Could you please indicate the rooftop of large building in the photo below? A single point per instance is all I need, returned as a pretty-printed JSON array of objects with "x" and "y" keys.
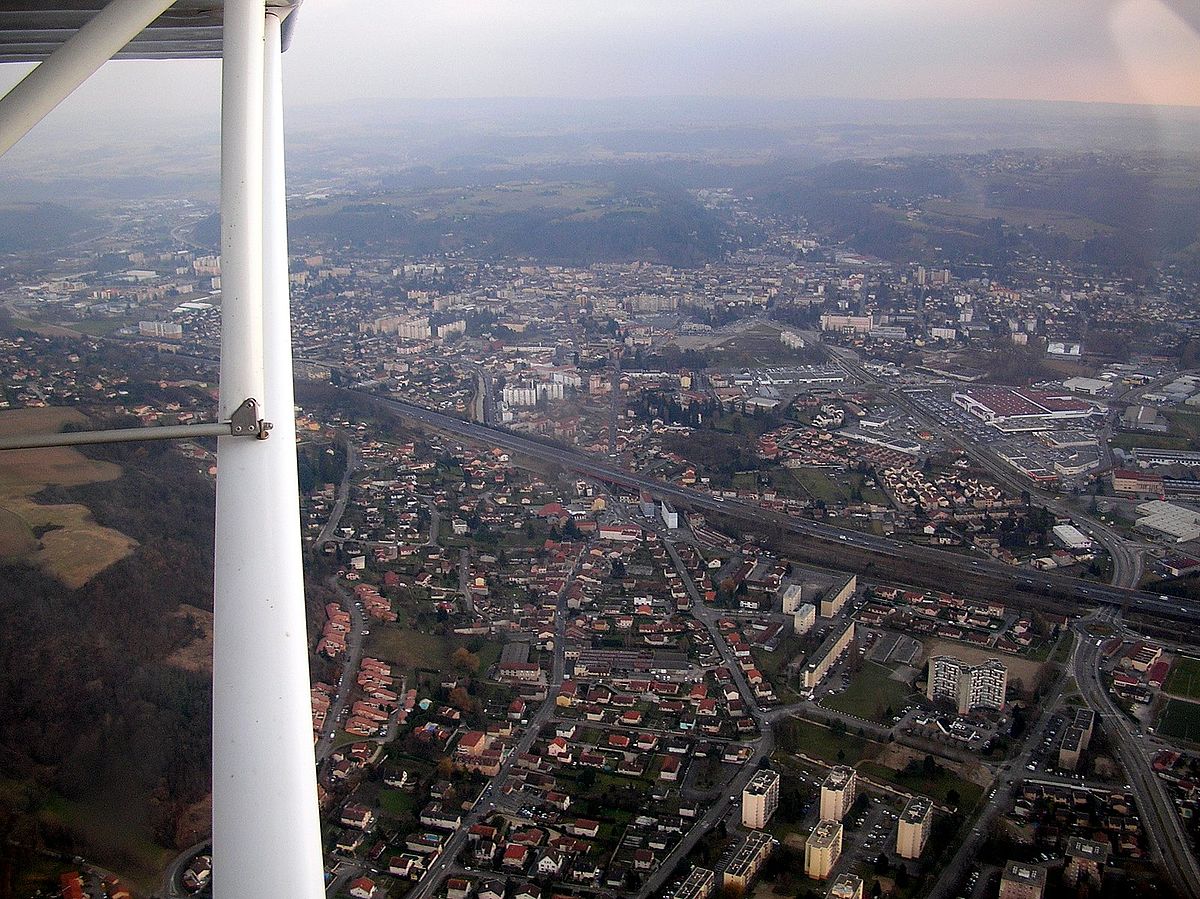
[
  {"x": 825, "y": 834},
  {"x": 839, "y": 777},
  {"x": 1023, "y": 873},
  {"x": 762, "y": 782},
  {"x": 917, "y": 810}
]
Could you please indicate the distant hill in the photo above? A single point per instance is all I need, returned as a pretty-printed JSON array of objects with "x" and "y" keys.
[
  {"x": 560, "y": 222},
  {"x": 1123, "y": 214},
  {"x": 42, "y": 226}
]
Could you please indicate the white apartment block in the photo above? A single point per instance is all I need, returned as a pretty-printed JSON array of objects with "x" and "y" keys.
[
  {"x": 760, "y": 798},
  {"x": 836, "y": 596},
  {"x": 968, "y": 686},
  {"x": 804, "y": 618},
  {"x": 791, "y": 598},
  {"x": 823, "y": 849},
  {"x": 838, "y": 792},
  {"x": 915, "y": 823}
]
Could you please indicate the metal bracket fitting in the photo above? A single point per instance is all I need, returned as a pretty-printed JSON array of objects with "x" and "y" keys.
[{"x": 244, "y": 422}]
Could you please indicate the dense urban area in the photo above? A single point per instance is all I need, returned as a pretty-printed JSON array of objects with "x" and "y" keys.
[{"x": 688, "y": 544}]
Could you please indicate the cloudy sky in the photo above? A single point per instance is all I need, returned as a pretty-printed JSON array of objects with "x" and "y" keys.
[{"x": 1126, "y": 51}]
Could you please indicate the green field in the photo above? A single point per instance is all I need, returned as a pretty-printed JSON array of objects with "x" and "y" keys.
[
  {"x": 1187, "y": 426},
  {"x": 871, "y": 692},
  {"x": 397, "y": 804},
  {"x": 939, "y": 786},
  {"x": 1180, "y": 719},
  {"x": 1184, "y": 679},
  {"x": 409, "y": 648},
  {"x": 1150, "y": 441},
  {"x": 819, "y": 742}
]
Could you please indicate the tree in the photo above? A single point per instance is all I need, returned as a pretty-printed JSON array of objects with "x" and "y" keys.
[
  {"x": 465, "y": 660},
  {"x": 461, "y": 700}
]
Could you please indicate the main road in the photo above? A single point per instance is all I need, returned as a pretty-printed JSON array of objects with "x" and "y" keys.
[{"x": 1168, "y": 843}]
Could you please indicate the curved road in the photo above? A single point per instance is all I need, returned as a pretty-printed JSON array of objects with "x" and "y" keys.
[{"x": 1169, "y": 844}]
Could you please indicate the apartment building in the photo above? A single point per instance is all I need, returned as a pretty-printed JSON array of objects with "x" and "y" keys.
[
  {"x": 967, "y": 686},
  {"x": 760, "y": 798},
  {"x": 823, "y": 849},
  {"x": 846, "y": 886},
  {"x": 837, "y": 595},
  {"x": 1022, "y": 881},
  {"x": 747, "y": 860},
  {"x": 699, "y": 884},
  {"x": 838, "y": 793},
  {"x": 827, "y": 654},
  {"x": 915, "y": 823}
]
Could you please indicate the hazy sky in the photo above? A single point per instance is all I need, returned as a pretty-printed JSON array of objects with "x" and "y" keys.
[{"x": 1129, "y": 51}]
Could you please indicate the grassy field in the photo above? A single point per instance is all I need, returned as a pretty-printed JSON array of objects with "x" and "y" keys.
[
  {"x": 1180, "y": 719},
  {"x": 815, "y": 484},
  {"x": 871, "y": 692},
  {"x": 972, "y": 213},
  {"x": 409, "y": 648},
  {"x": 1150, "y": 441},
  {"x": 1184, "y": 679},
  {"x": 822, "y": 743},
  {"x": 398, "y": 804},
  {"x": 123, "y": 834},
  {"x": 72, "y": 547},
  {"x": 938, "y": 787}
]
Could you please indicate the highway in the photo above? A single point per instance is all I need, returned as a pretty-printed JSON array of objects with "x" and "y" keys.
[
  {"x": 1061, "y": 587},
  {"x": 1168, "y": 843}
]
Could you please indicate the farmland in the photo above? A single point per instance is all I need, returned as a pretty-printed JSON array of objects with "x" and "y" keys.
[{"x": 62, "y": 539}]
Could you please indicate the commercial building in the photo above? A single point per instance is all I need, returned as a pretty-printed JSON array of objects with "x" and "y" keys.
[
  {"x": 967, "y": 686},
  {"x": 760, "y": 798},
  {"x": 1012, "y": 409},
  {"x": 835, "y": 597},
  {"x": 1147, "y": 456},
  {"x": 163, "y": 330},
  {"x": 1141, "y": 484},
  {"x": 915, "y": 823},
  {"x": 1071, "y": 537},
  {"x": 827, "y": 654},
  {"x": 747, "y": 860},
  {"x": 1022, "y": 881},
  {"x": 804, "y": 618},
  {"x": 846, "y": 886},
  {"x": 823, "y": 849},
  {"x": 1085, "y": 861},
  {"x": 837, "y": 793},
  {"x": 850, "y": 325},
  {"x": 1168, "y": 522},
  {"x": 699, "y": 884}
]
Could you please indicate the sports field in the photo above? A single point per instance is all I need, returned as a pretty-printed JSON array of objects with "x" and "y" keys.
[
  {"x": 1184, "y": 679},
  {"x": 1180, "y": 719}
]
